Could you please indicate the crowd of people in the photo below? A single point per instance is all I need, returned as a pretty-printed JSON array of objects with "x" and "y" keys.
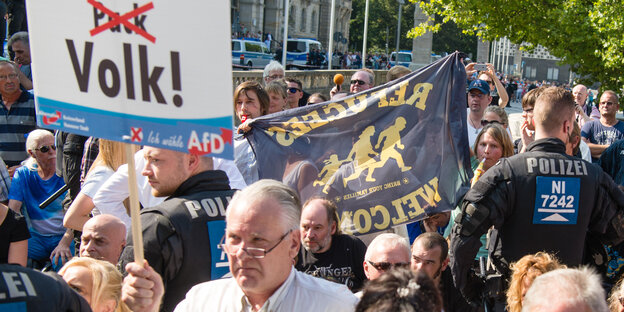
[{"x": 545, "y": 210}]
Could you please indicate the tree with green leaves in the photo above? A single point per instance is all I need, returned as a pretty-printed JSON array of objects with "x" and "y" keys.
[
  {"x": 382, "y": 24},
  {"x": 585, "y": 34}
]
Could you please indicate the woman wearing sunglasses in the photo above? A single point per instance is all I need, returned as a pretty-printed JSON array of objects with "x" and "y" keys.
[{"x": 32, "y": 184}]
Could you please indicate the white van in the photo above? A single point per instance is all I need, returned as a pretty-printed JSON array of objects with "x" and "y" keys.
[
  {"x": 298, "y": 51},
  {"x": 405, "y": 59},
  {"x": 250, "y": 52}
]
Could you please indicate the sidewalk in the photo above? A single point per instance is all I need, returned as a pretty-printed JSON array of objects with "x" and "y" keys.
[{"x": 514, "y": 114}]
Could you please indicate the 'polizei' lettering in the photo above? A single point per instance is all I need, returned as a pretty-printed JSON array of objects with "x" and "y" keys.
[{"x": 546, "y": 166}]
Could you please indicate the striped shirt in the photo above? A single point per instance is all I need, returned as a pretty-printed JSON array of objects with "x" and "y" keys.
[{"x": 14, "y": 125}]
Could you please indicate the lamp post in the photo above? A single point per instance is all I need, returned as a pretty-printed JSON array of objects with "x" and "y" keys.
[
  {"x": 285, "y": 41},
  {"x": 401, "y": 2},
  {"x": 331, "y": 34}
]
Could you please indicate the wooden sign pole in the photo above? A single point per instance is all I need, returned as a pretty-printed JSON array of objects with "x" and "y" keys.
[{"x": 137, "y": 233}]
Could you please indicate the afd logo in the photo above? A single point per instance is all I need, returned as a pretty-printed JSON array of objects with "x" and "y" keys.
[
  {"x": 207, "y": 142},
  {"x": 51, "y": 118}
]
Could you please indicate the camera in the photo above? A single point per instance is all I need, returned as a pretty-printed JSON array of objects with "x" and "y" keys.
[{"x": 480, "y": 67}]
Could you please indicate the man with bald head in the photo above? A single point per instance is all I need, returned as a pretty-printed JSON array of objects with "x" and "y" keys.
[
  {"x": 103, "y": 237},
  {"x": 386, "y": 251},
  {"x": 326, "y": 253},
  {"x": 181, "y": 234},
  {"x": 582, "y": 109},
  {"x": 361, "y": 80}
]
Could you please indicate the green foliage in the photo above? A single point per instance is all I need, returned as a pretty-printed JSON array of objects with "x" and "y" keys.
[
  {"x": 382, "y": 15},
  {"x": 585, "y": 34}
]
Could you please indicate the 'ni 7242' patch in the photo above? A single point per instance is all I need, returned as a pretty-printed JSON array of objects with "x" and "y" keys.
[{"x": 556, "y": 200}]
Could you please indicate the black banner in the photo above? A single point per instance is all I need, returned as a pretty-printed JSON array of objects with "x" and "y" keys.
[{"x": 387, "y": 156}]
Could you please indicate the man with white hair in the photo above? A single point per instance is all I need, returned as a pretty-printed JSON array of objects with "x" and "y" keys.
[
  {"x": 261, "y": 240},
  {"x": 32, "y": 184},
  {"x": 570, "y": 290},
  {"x": 386, "y": 251},
  {"x": 273, "y": 71}
]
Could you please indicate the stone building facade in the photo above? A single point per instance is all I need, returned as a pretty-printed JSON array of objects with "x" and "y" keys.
[
  {"x": 307, "y": 19},
  {"x": 536, "y": 65}
]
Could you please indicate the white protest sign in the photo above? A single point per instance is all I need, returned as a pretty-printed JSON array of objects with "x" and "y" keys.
[{"x": 147, "y": 72}]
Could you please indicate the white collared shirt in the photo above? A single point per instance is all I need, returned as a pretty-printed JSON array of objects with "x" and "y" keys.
[{"x": 300, "y": 292}]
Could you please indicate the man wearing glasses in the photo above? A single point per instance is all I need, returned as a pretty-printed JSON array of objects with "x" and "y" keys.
[
  {"x": 430, "y": 254},
  {"x": 261, "y": 240},
  {"x": 385, "y": 252},
  {"x": 327, "y": 253},
  {"x": 361, "y": 80},
  {"x": 273, "y": 71},
  {"x": 296, "y": 96},
  {"x": 599, "y": 134},
  {"x": 478, "y": 100},
  {"x": 181, "y": 235},
  {"x": 18, "y": 109}
]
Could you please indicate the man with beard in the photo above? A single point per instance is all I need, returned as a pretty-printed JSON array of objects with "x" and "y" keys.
[
  {"x": 181, "y": 235},
  {"x": 327, "y": 253},
  {"x": 430, "y": 254}
]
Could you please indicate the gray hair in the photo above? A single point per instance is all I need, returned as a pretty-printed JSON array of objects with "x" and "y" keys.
[
  {"x": 273, "y": 65},
  {"x": 33, "y": 139},
  {"x": 35, "y": 136},
  {"x": 570, "y": 287},
  {"x": 390, "y": 241},
  {"x": 19, "y": 36},
  {"x": 15, "y": 68},
  {"x": 263, "y": 189},
  {"x": 498, "y": 111},
  {"x": 370, "y": 73}
]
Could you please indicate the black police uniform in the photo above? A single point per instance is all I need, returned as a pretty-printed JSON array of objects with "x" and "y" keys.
[
  {"x": 181, "y": 235},
  {"x": 23, "y": 289},
  {"x": 541, "y": 200}
]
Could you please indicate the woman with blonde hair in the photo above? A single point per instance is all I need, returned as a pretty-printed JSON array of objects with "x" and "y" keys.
[
  {"x": 97, "y": 281},
  {"x": 616, "y": 298},
  {"x": 110, "y": 156},
  {"x": 524, "y": 271},
  {"x": 491, "y": 144}
]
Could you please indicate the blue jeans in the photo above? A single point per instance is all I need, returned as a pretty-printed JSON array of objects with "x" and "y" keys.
[{"x": 40, "y": 247}]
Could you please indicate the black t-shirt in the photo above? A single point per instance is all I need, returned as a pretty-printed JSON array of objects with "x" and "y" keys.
[
  {"x": 23, "y": 289},
  {"x": 12, "y": 229},
  {"x": 342, "y": 263}
]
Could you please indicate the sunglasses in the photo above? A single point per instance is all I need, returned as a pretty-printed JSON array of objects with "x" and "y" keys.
[
  {"x": 385, "y": 266},
  {"x": 489, "y": 82},
  {"x": 293, "y": 90},
  {"x": 360, "y": 82},
  {"x": 489, "y": 122},
  {"x": 46, "y": 148}
]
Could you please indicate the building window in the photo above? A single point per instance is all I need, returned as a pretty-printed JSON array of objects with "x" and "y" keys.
[
  {"x": 313, "y": 21},
  {"x": 530, "y": 72},
  {"x": 292, "y": 17},
  {"x": 553, "y": 73},
  {"x": 303, "y": 20}
]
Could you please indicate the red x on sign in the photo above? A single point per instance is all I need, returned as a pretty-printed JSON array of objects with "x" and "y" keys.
[
  {"x": 123, "y": 19},
  {"x": 137, "y": 134}
]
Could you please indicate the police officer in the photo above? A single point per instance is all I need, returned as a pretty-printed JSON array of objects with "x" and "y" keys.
[
  {"x": 541, "y": 200},
  {"x": 24, "y": 289},
  {"x": 181, "y": 235}
]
